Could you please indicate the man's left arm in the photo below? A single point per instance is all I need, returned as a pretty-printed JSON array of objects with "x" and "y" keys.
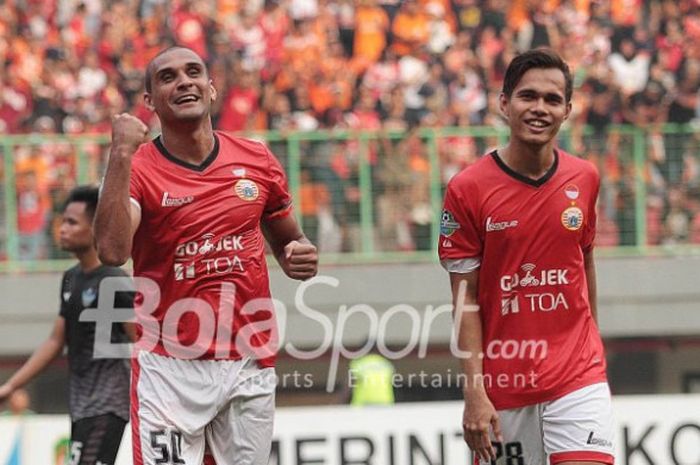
[
  {"x": 294, "y": 252},
  {"x": 589, "y": 267}
]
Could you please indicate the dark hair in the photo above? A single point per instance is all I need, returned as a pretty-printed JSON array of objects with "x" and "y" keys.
[
  {"x": 87, "y": 195},
  {"x": 149, "y": 68},
  {"x": 538, "y": 58}
]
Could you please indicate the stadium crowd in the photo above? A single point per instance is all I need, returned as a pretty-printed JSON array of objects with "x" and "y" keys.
[{"x": 302, "y": 65}]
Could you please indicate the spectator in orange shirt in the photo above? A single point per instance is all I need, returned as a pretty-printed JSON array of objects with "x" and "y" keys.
[
  {"x": 302, "y": 51},
  {"x": 312, "y": 194},
  {"x": 410, "y": 28},
  {"x": 371, "y": 27},
  {"x": 32, "y": 213}
]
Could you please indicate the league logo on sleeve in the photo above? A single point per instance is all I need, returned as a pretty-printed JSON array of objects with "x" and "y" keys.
[{"x": 448, "y": 225}]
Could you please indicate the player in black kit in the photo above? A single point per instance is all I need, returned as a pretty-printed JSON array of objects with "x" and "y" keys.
[{"x": 99, "y": 388}]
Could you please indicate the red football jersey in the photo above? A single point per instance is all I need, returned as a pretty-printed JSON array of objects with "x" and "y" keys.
[
  {"x": 528, "y": 238},
  {"x": 200, "y": 228}
]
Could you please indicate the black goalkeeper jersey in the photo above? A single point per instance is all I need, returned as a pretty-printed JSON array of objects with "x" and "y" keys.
[{"x": 97, "y": 386}]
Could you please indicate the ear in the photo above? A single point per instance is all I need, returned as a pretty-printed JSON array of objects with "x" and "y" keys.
[
  {"x": 568, "y": 111},
  {"x": 212, "y": 89},
  {"x": 148, "y": 101},
  {"x": 503, "y": 105}
]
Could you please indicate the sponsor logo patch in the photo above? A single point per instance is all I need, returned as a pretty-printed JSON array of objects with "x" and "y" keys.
[
  {"x": 168, "y": 201},
  {"x": 593, "y": 441},
  {"x": 499, "y": 226}
]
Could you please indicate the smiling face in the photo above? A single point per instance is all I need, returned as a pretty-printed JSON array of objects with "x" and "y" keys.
[
  {"x": 180, "y": 88},
  {"x": 537, "y": 107}
]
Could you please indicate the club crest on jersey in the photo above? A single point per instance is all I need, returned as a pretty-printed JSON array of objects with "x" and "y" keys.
[
  {"x": 572, "y": 218},
  {"x": 88, "y": 296},
  {"x": 448, "y": 225},
  {"x": 571, "y": 192},
  {"x": 246, "y": 190}
]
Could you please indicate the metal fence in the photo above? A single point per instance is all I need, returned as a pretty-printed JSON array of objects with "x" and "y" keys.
[{"x": 376, "y": 196}]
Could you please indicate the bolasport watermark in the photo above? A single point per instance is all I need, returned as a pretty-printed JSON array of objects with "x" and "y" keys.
[{"x": 262, "y": 338}]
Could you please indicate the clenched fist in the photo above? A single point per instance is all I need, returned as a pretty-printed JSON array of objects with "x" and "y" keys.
[
  {"x": 128, "y": 132},
  {"x": 300, "y": 260}
]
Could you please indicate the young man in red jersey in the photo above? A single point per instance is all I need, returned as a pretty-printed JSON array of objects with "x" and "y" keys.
[
  {"x": 192, "y": 208},
  {"x": 517, "y": 234}
]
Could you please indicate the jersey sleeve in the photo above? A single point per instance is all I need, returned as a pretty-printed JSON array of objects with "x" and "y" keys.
[
  {"x": 279, "y": 200},
  {"x": 64, "y": 297},
  {"x": 589, "y": 229},
  {"x": 461, "y": 245},
  {"x": 136, "y": 187}
]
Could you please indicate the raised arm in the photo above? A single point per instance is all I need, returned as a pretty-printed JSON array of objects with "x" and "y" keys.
[
  {"x": 480, "y": 416},
  {"x": 117, "y": 218},
  {"x": 42, "y": 356}
]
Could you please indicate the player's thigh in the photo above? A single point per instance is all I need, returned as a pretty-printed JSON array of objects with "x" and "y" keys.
[
  {"x": 96, "y": 440},
  {"x": 241, "y": 434},
  {"x": 522, "y": 438},
  {"x": 578, "y": 428},
  {"x": 162, "y": 443},
  {"x": 172, "y": 402}
]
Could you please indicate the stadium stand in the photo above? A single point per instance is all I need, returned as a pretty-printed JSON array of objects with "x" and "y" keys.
[{"x": 366, "y": 65}]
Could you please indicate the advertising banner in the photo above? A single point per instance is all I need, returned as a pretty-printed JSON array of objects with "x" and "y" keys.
[{"x": 650, "y": 430}]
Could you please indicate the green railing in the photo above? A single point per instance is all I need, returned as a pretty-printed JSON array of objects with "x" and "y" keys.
[{"x": 368, "y": 196}]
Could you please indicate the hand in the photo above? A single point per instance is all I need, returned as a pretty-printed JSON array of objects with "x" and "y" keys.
[
  {"x": 128, "y": 132},
  {"x": 480, "y": 416},
  {"x": 299, "y": 260},
  {"x": 5, "y": 391}
]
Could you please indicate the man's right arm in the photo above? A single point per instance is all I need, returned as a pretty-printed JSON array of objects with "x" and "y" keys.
[
  {"x": 42, "y": 356},
  {"x": 479, "y": 413},
  {"x": 117, "y": 218}
]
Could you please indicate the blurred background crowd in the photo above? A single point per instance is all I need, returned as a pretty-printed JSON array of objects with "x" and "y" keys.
[{"x": 383, "y": 65}]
